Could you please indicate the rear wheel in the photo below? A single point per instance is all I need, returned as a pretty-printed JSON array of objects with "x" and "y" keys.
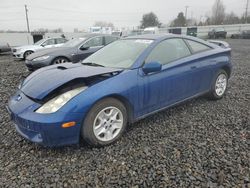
[
  {"x": 105, "y": 122},
  {"x": 219, "y": 85},
  {"x": 60, "y": 60},
  {"x": 27, "y": 53}
]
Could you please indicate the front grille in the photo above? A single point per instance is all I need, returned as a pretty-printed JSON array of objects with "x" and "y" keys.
[
  {"x": 14, "y": 50},
  {"x": 25, "y": 123}
]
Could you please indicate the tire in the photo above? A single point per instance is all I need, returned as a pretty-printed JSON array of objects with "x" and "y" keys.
[
  {"x": 27, "y": 53},
  {"x": 98, "y": 129},
  {"x": 59, "y": 60},
  {"x": 221, "y": 80}
]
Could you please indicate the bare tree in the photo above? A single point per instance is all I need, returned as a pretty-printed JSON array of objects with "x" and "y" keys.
[
  {"x": 218, "y": 13},
  {"x": 232, "y": 18}
]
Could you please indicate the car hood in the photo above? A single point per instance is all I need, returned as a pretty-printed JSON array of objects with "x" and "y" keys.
[
  {"x": 45, "y": 80},
  {"x": 50, "y": 51},
  {"x": 28, "y": 47}
]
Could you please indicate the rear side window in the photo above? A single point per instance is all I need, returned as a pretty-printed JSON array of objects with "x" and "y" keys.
[
  {"x": 109, "y": 39},
  {"x": 60, "y": 40},
  {"x": 168, "y": 51},
  {"x": 197, "y": 47}
]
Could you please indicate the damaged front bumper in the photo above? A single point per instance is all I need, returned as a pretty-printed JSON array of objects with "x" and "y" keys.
[{"x": 44, "y": 129}]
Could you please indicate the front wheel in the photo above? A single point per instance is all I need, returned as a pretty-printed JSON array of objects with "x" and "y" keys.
[
  {"x": 219, "y": 86},
  {"x": 60, "y": 60},
  {"x": 26, "y": 54},
  {"x": 105, "y": 122}
]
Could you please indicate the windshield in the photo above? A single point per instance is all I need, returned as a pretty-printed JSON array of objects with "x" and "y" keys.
[
  {"x": 40, "y": 42},
  {"x": 73, "y": 42},
  {"x": 119, "y": 54}
]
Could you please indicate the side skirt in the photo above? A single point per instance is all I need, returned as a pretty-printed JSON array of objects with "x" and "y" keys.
[{"x": 169, "y": 106}]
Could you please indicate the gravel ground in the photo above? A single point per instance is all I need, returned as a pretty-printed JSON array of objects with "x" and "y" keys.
[{"x": 200, "y": 143}]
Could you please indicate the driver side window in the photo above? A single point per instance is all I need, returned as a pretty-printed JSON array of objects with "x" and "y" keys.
[
  {"x": 97, "y": 41},
  {"x": 49, "y": 42},
  {"x": 169, "y": 50}
]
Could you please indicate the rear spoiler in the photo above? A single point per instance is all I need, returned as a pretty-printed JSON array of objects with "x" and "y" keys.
[{"x": 222, "y": 44}]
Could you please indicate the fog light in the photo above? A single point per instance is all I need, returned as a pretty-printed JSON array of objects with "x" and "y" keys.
[{"x": 68, "y": 124}]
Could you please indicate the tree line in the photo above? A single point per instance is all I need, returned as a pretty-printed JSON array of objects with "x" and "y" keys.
[{"x": 218, "y": 16}]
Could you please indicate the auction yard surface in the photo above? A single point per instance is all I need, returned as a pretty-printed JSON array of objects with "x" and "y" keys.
[{"x": 199, "y": 143}]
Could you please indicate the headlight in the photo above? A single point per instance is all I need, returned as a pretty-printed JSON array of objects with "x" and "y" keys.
[
  {"x": 41, "y": 58},
  {"x": 56, "y": 103}
]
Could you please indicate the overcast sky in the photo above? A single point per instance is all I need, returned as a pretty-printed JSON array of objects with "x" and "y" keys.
[{"x": 81, "y": 14}]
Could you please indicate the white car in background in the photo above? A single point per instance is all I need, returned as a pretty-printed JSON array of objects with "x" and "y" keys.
[
  {"x": 151, "y": 30},
  {"x": 22, "y": 52}
]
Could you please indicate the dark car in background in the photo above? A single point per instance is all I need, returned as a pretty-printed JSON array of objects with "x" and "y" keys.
[
  {"x": 4, "y": 47},
  {"x": 74, "y": 51},
  {"x": 217, "y": 33},
  {"x": 241, "y": 35}
]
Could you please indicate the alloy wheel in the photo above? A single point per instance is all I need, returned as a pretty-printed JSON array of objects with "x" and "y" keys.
[
  {"x": 108, "y": 123},
  {"x": 221, "y": 84}
]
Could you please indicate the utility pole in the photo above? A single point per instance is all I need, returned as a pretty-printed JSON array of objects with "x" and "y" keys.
[
  {"x": 247, "y": 10},
  {"x": 27, "y": 19},
  {"x": 186, "y": 7}
]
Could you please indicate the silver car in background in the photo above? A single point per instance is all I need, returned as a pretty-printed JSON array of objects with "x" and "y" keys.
[
  {"x": 22, "y": 52},
  {"x": 4, "y": 47}
]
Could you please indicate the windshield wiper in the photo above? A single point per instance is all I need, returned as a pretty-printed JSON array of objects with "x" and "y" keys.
[{"x": 92, "y": 64}]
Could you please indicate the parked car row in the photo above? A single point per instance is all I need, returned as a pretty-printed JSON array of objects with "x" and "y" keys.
[
  {"x": 241, "y": 35},
  {"x": 121, "y": 83},
  {"x": 72, "y": 51}
]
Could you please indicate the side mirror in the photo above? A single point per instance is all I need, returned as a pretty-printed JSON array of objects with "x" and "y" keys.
[
  {"x": 151, "y": 67},
  {"x": 84, "y": 47}
]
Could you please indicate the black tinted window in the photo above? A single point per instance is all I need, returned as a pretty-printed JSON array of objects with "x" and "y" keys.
[
  {"x": 60, "y": 41},
  {"x": 168, "y": 51},
  {"x": 197, "y": 47},
  {"x": 109, "y": 39},
  {"x": 97, "y": 41}
]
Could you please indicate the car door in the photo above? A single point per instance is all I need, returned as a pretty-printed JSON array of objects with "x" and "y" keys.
[
  {"x": 175, "y": 82},
  {"x": 89, "y": 47}
]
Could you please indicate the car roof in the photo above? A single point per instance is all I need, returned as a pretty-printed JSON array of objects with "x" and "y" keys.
[
  {"x": 160, "y": 37},
  {"x": 90, "y": 35},
  {"x": 151, "y": 36}
]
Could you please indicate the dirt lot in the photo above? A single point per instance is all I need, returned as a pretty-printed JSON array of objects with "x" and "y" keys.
[{"x": 200, "y": 143}]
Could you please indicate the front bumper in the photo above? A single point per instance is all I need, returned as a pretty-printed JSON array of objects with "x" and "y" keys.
[
  {"x": 44, "y": 129},
  {"x": 17, "y": 54},
  {"x": 33, "y": 65}
]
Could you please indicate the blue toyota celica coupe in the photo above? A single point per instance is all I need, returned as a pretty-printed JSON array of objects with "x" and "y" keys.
[{"x": 123, "y": 82}]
